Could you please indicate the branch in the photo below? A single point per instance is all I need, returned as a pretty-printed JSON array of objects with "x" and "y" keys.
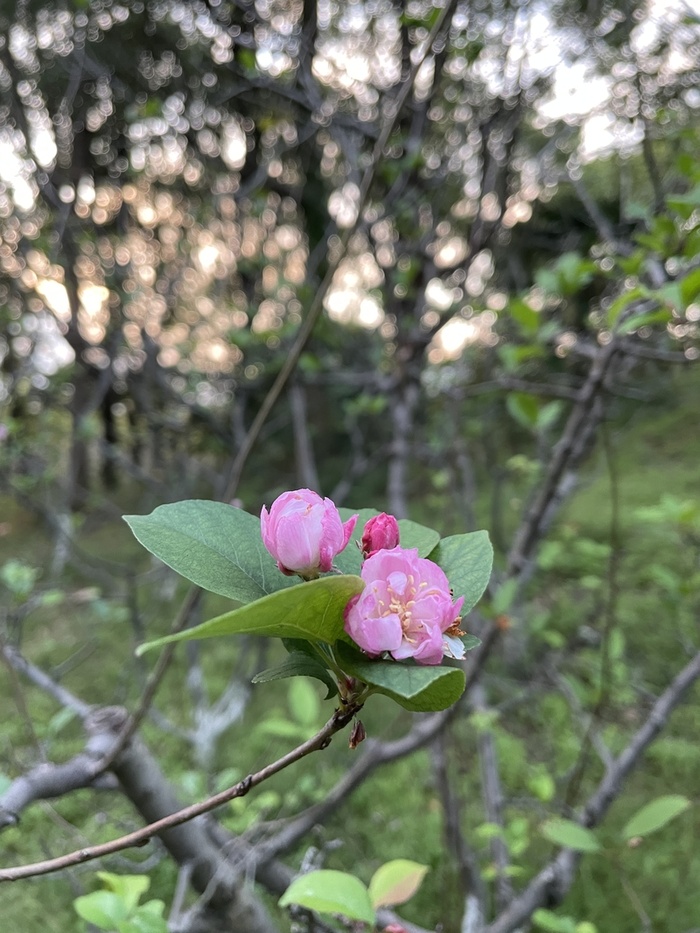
[
  {"x": 425, "y": 730},
  {"x": 338, "y": 721},
  {"x": 492, "y": 793},
  {"x": 307, "y": 473},
  {"x": 581, "y": 420},
  {"x": 132, "y": 724},
  {"x": 552, "y": 884},
  {"x": 471, "y": 886},
  {"x": 48, "y": 781},
  {"x": 19, "y": 663}
]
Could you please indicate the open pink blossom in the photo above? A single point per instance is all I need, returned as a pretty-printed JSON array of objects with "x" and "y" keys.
[
  {"x": 304, "y": 532},
  {"x": 381, "y": 533},
  {"x": 406, "y": 608}
]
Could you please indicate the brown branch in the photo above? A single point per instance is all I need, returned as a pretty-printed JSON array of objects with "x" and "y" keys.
[
  {"x": 307, "y": 473},
  {"x": 471, "y": 887},
  {"x": 140, "y": 837},
  {"x": 47, "y": 781},
  {"x": 492, "y": 793},
  {"x": 609, "y": 623},
  {"x": 583, "y": 416},
  {"x": 132, "y": 724},
  {"x": 425, "y": 730}
]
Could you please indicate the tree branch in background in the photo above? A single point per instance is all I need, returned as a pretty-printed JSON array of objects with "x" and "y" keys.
[
  {"x": 492, "y": 793},
  {"x": 307, "y": 473},
  {"x": 42, "y": 680},
  {"x": 582, "y": 421},
  {"x": 471, "y": 886},
  {"x": 609, "y": 615}
]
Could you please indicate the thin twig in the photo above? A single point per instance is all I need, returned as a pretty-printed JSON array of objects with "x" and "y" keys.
[
  {"x": 492, "y": 793},
  {"x": 338, "y": 721},
  {"x": 610, "y": 619},
  {"x": 33, "y": 673}
]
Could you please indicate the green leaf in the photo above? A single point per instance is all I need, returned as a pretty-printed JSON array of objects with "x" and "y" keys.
[
  {"x": 154, "y": 907},
  {"x": 330, "y": 892},
  {"x": 655, "y": 815},
  {"x": 570, "y": 835},
  {"x": 524, "y": 408},
  {"x": 303, "y": 702},
  {"x": 671, "y": 294},
  {"x": 312, "y": 611},
  {"x": 411, "y": 534},
  {"x": 690, "y": 286},
  {"x": 642, "y": 319},
  {"x": 214, "y": 545},
  {"x": 147, "y": 919},
  {"x": 470, "y": 642},
  {"x": 416, "y": 687},
  {"x": 128, "y": 887},
  {"x": 553, "y": 923},
  {"x": 548, "y": 415},
  {"x": 542, "y": 785},
  {"x": 282, "y": 729},
  {"x": 467, "y": 561},
  {"x": 521, "y": 312},
  {"x": 104, "y": 909},
  {"x": 505, "y": 594},
  {"x": 299, "y": 664},
  {"x": 60, "y": 720},
  {"x": 246, "y": 58},
  {"x": 396, "y": 882}
]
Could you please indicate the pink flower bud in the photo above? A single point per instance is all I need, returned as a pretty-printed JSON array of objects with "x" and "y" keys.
[
  {"x": 304, "y": 532},
  {"x": 381, "y": 533},
  {"x": 405, "y": 609}
]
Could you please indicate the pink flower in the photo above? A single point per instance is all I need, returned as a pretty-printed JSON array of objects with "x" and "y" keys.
[
  {"x": 381, "y": 533},
  {"x": 406, "y": 608},
  {"x": 304, "y": 532}
]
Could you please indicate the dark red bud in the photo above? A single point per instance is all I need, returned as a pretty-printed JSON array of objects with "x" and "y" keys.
[{"x": 381, "y": 534}]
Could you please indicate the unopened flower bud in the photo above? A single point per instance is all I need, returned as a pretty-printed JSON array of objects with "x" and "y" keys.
[
  {"x": 304, "y": 532},
  {"x": 381, "y": 534},
  {"x": 357, "y": 735}
]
